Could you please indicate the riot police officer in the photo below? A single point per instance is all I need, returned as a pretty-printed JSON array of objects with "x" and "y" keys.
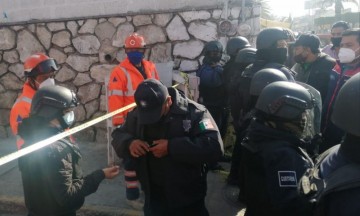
[
  {"x": 273, "y": 152},
  {"x": 341, "y": 198},
  {"x": 271, "y": 53},
  {"x": 52, "y": 178},
  {"x": 258, "y": 83},
  {"x": 212, "y": 84}
]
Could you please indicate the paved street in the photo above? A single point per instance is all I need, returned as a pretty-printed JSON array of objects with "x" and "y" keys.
[{"x": 110, "y": 197}]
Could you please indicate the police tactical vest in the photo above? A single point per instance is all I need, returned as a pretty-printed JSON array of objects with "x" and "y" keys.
[{"x": 313, "y": 186}]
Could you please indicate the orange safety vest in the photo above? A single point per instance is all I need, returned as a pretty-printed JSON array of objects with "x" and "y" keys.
[
  {"x": 124, "y": 79},
  {"x": 21, "y": 110}
]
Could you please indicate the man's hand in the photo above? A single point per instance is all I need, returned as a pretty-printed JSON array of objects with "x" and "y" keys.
[
  {"x": 111, "y": 172},
  {"x": 160, "y": 148},
  {"x": 138, "y": 148}
]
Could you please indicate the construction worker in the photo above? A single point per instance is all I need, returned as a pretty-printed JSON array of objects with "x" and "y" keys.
[
  {"x": 124, "y": 80},
  {"x": 39, "y": 70}
]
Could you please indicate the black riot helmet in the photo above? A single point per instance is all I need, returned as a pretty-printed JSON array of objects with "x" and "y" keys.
[
  {"x": 246, "y": 56},
  {"x": 264, "y": 77},
  {"x": 235, "y": 44},
  {"x": 50, "y": 102},
  {"x": 268, "y": 38},
  {"x": 213, "y": 46},
  {"x": 212, "y": 52},
  {"x": 284, "y": 100},
  {"x": 346, "y": 113}
]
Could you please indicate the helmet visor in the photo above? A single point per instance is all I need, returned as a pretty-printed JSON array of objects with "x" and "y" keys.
[{"x": 44, "y": 67}]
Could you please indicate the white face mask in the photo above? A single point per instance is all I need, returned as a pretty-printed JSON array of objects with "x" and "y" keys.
[
  {"x": 346, "y": 55},
  {"x": 47, "y": 82},
  {"x": 69, "y": 118}
]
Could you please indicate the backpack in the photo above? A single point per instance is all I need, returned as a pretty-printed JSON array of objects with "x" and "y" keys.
[{"x": 315, "y": 188}]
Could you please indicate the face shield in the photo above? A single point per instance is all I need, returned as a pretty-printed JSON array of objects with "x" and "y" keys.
[{"x": 313, "y": 115}]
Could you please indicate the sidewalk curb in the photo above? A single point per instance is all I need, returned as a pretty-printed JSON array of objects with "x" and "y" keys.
[{"x": 15, "y": 205}]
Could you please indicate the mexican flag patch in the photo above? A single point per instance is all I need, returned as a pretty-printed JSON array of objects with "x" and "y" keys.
[{"x": 206, "y": 124}]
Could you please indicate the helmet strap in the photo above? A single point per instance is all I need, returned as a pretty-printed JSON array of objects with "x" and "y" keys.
[{"x": 32, "y": 83}]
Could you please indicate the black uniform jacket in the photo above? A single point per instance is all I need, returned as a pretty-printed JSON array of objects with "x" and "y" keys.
[
  {"x": 52, "y": 178},
  {"x": 273, "y": 163},
  {"x": 342, "y": 200},
  {"x": 194, "y": 140}
]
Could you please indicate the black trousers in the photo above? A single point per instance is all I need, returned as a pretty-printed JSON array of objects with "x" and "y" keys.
[{"x": 157, "y": 206}]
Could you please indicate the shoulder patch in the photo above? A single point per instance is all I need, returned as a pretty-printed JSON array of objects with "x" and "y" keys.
[
  {"x": 287, "y": 178},
  {"x": 206, "y": 124},
  {"x": 19, "y": 119}
]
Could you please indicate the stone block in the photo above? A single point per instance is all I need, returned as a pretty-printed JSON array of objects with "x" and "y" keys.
[
  {"x": 100, "y": 72},
  {"x": 56, "y": 26},
  {"x": 104, "y": 31},
  {"x": 17, "y": 69},
  {"x": 86, "y": 44},
  {"x": 182, "y": 49},
  {"x": 73, "y": 27},
  {"x": 81, "y": 79},
  {"x": 117, "y": 20},
  {"x": 91, "y": 108},
  {"x": 62, "y": 39},
  {"x": 152, "y": 33},
  {"x": 27, "y": 45},
  {"x": 11, "y": 56},
  {"x": 44, "y": 36},
  {"x": 81, "y": 63},
  {"x": 122, "y": 32},
  {"x": 189, "y": 16},
  {"x": 8, "y": 99},
  {"x": 7, "y": 39},
  {"x": 203, "y": 31},
  {"x": 189, "y": 65},
  {"x": 161, "y": 53},
  {"x": 88, "y": 27},
  {"x": 11, "y": 82},
  {"x": 176, "y": 30},
  {"x": 162, "y": 19},
  {"x": 65, "y": 74},
  {"x": 58, "y": 55},
  {"x": 140, "y": 20},
  {"x": 88, "y": 92}
]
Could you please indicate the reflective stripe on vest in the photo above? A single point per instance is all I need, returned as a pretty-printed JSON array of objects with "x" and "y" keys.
[
  {"x": 130, "y": 90},
  {"x": 131, "y": 184},
  {"x": 23, "y": 98},
  {"x": 153, "y": 74},
  {"x": 19, "y": 141},
  {"x": 130, "y": 173}
]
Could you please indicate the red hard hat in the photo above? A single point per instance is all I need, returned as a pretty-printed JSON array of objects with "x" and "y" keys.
[
  {"x": 39, "y": 63},
  {"x": 135, "y": 41}
]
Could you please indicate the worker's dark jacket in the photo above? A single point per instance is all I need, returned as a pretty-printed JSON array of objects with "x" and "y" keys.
[
  {"x": 194, "y": 140},
  {"x": 317, "y": 74},
  {"x": 52, "y": 178}
]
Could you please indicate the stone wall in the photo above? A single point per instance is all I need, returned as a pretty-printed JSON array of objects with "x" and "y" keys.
[
  {"x": 27, "y": 10},
  {"x": 87, "y": 50}
]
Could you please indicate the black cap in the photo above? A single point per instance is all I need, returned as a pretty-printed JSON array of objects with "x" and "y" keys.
[
  {"x": 309, "y": 40},
  {"x": 150, "y": 96}
]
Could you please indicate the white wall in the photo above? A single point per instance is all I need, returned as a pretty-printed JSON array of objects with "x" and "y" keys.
[{"x": 25, "y": 10}]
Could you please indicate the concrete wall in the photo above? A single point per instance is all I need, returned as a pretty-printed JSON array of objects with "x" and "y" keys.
[{"x": 25, "y": 10}]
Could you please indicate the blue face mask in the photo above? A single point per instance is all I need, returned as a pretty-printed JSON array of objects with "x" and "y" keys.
[{"x": 135, "y": 57}]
